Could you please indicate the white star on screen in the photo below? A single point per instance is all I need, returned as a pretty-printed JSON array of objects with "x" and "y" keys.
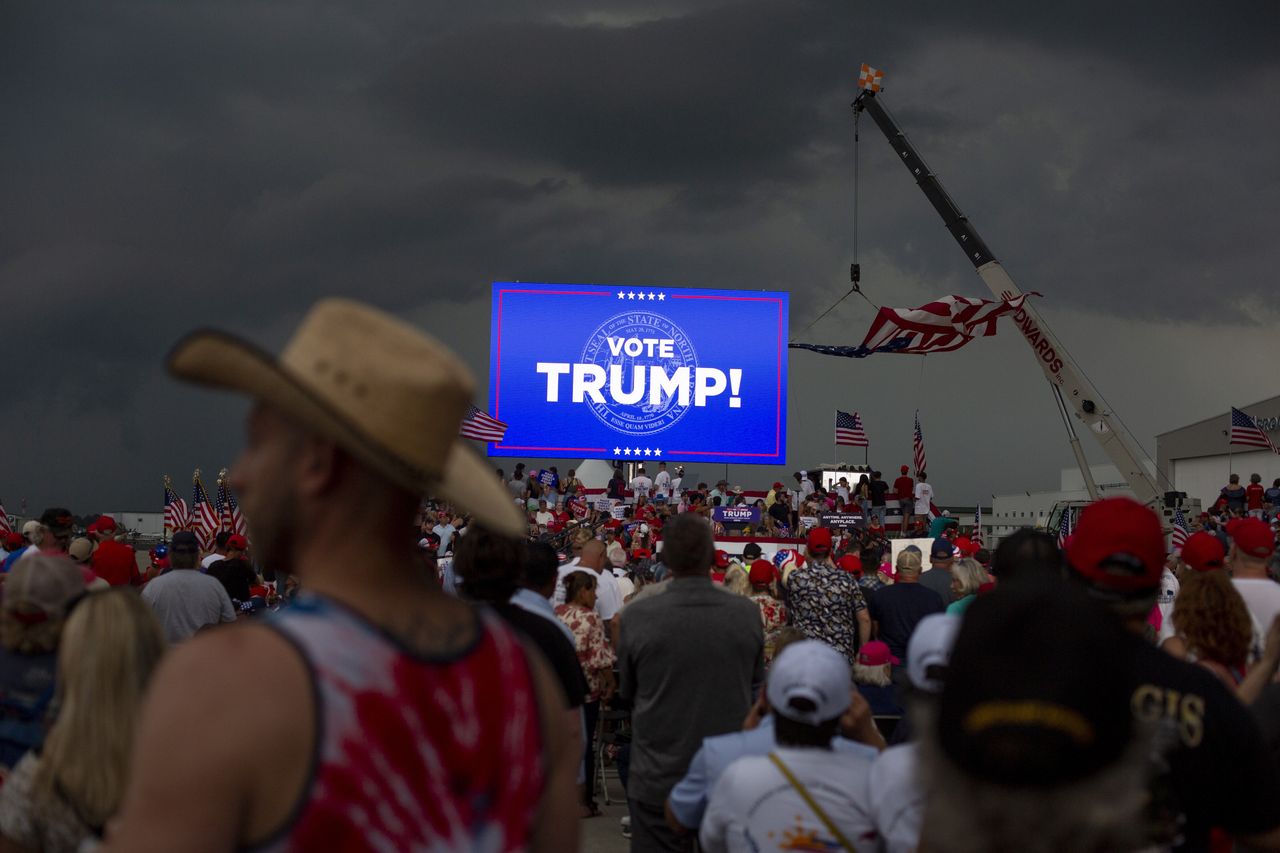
[
  {"x": 622, "y": 295},
  {"x": 661, "y": 296},
  {"x": 626, "y": 451},
  {"x": 657, "y": 452},
  {"x": 631, "y": 295},
  {"x": 617, "y": 451}
]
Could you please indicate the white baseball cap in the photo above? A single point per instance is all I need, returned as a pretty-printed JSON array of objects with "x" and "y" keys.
[
  {"x": 813, "y": 671},
  {"x": 929, "y": 647}
]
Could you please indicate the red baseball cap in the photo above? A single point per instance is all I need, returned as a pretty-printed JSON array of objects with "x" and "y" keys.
[
  {"x": 876, "y": 653},
  {"x": 904, "y": 469},
  {"x": 13, "y": 541},
  {"x": 640, "y": 554},
  {"x": 1118, "y": 544},
  {"x": 819, "y": 539},
  {"x": 103, "y": 524},
  {"x": 237, "y": 542},
  {"x": 761, "y": 573},
  {"x": 1204, "y": 552},
  {"x": 966, "y": 545},
  {"x": 722, "y": 559},
  {"x": 851, "y": 563},
  {"x": 777, "y": 485},
  {"x": 1252, "y": 536}
]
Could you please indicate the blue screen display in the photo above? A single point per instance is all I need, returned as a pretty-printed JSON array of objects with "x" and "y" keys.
[{"x": 611, "y": 372}]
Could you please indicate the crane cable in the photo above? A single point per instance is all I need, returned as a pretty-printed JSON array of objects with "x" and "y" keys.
[{"x": 855, "y": 288}]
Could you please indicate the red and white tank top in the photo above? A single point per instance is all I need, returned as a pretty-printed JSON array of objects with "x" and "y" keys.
[{"x": 411, "y": 753}]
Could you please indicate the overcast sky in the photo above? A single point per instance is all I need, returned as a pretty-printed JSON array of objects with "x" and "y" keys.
[{"x": 172, "y": 165}]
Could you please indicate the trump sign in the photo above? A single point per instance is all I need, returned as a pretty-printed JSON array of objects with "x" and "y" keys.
[{"x": 597, "y": 372}]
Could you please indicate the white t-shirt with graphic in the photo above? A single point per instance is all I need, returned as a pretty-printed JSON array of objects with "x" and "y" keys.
[
  {"x": 642, "y": 485},
  {"x": 1169, "y": 587},
  {"x": 753, "y": 807},
  {"x": 662, "y": 483},
  {"x": 924, "y": 497}
]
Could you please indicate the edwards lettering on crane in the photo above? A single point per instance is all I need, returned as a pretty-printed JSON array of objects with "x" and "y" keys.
[{"x": 1039, "y": 342}]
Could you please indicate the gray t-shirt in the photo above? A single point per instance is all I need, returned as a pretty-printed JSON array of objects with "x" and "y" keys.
[
  {"x": 186, "y": 601},
  {"x": 938, "y": 580}
]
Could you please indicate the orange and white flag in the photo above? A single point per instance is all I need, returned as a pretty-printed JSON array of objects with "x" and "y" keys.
[{"x": 870, "y": 78}]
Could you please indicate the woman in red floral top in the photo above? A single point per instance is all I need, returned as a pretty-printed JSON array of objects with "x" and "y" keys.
[
  {"x": 773, "y": 614},
  {"x": 597, "y": 659}
]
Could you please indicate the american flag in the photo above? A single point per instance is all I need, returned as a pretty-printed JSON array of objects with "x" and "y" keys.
[
  {"x": 481, "y": 427},
  {"x": 176, "y": 516},
  {"x": 1180, "y": 532},
  {"x": 229, "y": 515},
  {"x": 977, "y": 525},
  {"x": 204, "y": 517},
  {"x": 1246, "y": 432},
  {"x": 940, "y": 326},
  {"x": 849, "y": 430},
  {"x": 5, "y": 526},
  {"x": 1064, "y": 527},
  {"x": 918, "y": 446}
]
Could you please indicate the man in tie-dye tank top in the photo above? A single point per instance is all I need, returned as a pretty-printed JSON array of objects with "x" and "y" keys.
[{"x": 376, "y": 713}]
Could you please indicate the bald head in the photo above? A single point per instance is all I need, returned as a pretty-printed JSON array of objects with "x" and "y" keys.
[{"x": 592, "y": 555}]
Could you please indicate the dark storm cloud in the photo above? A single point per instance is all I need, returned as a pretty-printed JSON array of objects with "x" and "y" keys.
[{"x": 168, "y": 166}]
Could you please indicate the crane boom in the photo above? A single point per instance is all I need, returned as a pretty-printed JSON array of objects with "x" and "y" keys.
[{"x": 1069, "y": 382}]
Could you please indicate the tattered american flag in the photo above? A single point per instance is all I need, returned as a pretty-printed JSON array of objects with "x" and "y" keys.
[
  {"x": 849, "y": 431},
  {"x": 481, "y": 427},
  {"x": 1246, "y": 432},
  {"x": 204, "y": 518},
  {"x": 917, "y": 445},
  {"x": 1180, "y": 532},
  {"x": 5, "y": 526},
  {"x": 977, "y": 525},
  {"x": 870, "y": 78},
  {"x": 940, "y": 326}
]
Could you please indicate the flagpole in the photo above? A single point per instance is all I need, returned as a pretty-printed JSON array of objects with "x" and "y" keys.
[{"x": 164, "y": 525}]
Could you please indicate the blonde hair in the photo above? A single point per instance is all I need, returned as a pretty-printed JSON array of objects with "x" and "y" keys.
[
  {"x": 736, "y": 580},
  {"x": 111, "y": 644},
  {"x": 909, "y": 562},
  {"x": 970, "y": 574},
  {"x": 877, "y": 675}
]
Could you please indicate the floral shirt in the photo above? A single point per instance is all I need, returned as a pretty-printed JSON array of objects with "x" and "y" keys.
[
  {"x": 773, "y": 617},
  {"x": 594, "y": 652},
  {"x": 824, "y": 604}
]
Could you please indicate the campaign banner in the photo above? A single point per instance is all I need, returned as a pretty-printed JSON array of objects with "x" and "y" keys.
[
  {"x": 736, "y": 514},
  {"x": 647, "y": 373},
  {"x": 844, "y": 520}
]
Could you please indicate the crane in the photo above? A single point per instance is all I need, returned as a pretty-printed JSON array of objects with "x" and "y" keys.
[{"x": 1070, "y": 386}]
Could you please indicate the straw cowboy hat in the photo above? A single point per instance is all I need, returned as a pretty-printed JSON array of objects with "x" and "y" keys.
[{"x": 387, "y": 393}]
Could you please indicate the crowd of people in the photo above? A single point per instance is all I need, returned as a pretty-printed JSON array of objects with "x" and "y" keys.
[
  {"x": 453, "y": 676},
  {"x": 554, "y": 505}
]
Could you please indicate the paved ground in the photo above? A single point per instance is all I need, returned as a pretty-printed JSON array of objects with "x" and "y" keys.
[{"x": 604, "y": 834}]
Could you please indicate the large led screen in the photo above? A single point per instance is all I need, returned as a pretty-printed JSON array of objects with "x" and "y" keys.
[{"x": 601, "y": 372}]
